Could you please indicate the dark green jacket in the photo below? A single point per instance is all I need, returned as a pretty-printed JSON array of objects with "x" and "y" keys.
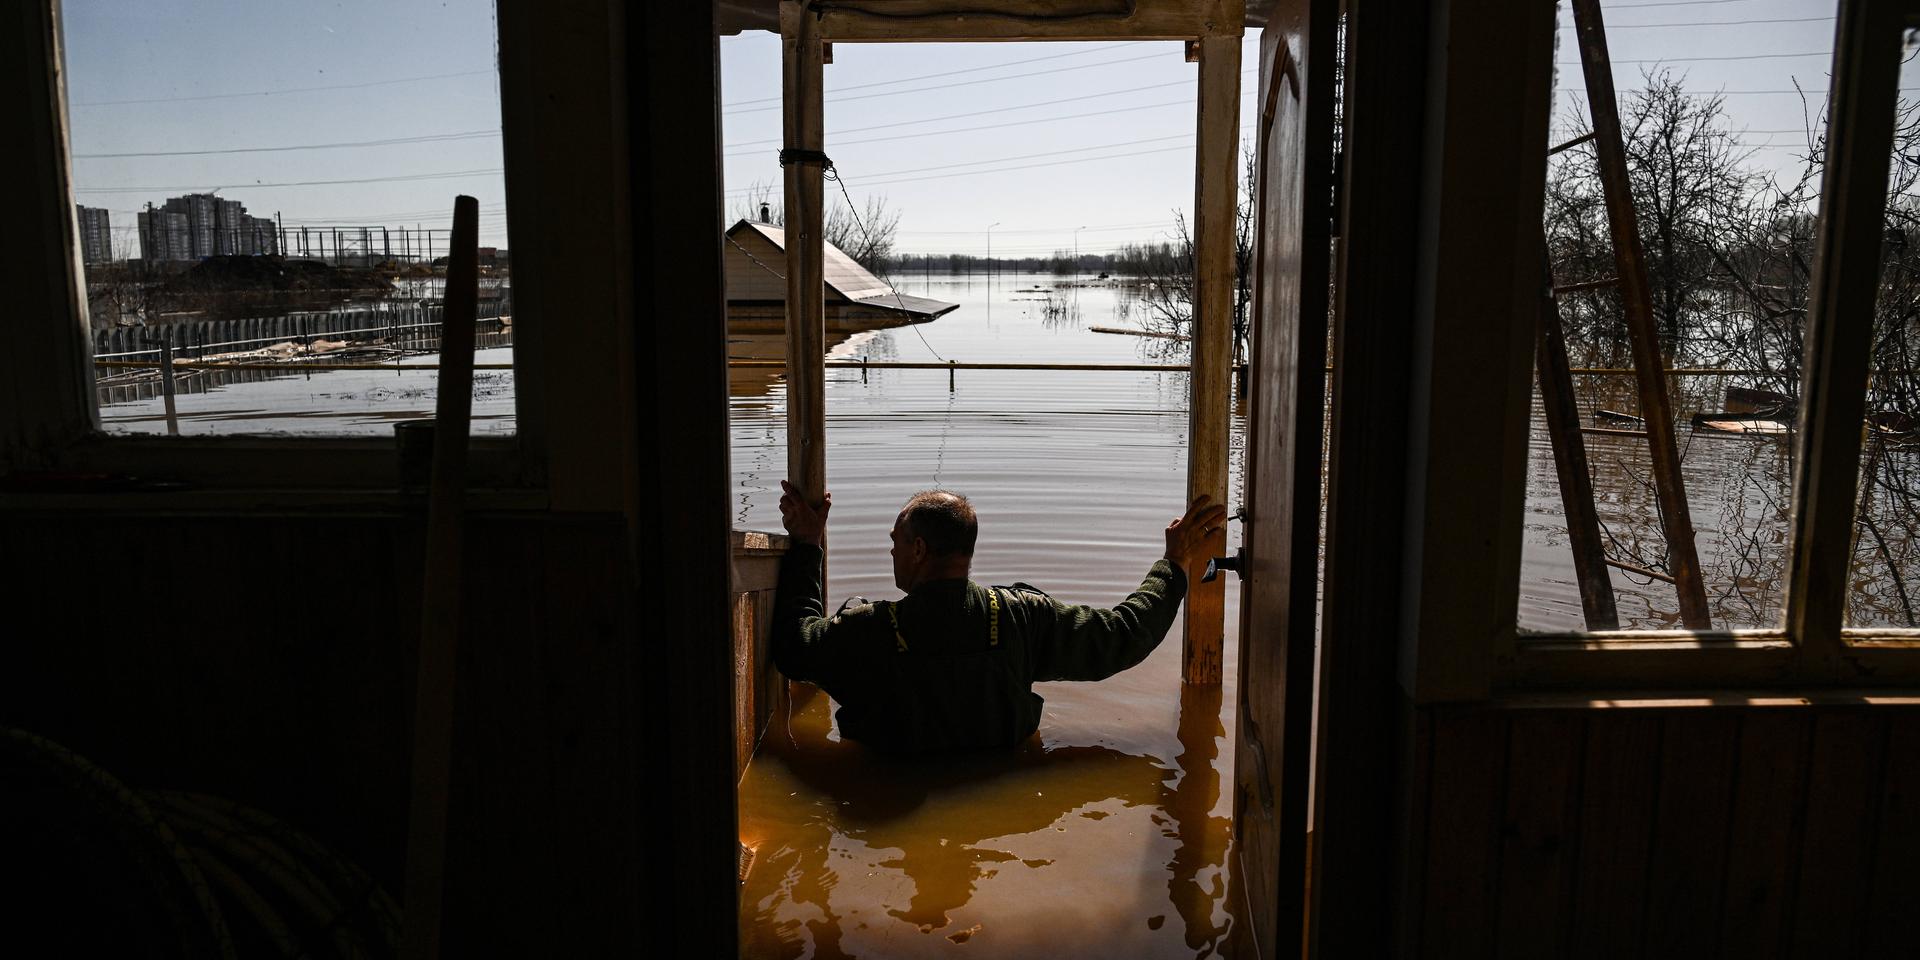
[{"x": 943, "y": 681}]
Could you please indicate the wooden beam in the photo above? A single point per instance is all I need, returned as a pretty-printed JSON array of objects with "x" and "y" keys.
[
  {"x": 1649, "y": 365},
  {"x": 1216, "y": 182},
  {"x": 46, "y": 375},
  {"x": 1846, "y": 282},
  {"x": 1570, "y": 460},
  {"x": 443, "y": 597},
  {"x": 806, "y": 284},
  {"x": 905, "y": 21}
]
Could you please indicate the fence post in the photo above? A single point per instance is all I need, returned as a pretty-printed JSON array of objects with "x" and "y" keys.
[{"x": 166, "y": 381}]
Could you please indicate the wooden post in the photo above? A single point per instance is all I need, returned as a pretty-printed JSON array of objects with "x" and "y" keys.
[
  {"x": 1649, "y": 366},
  {"x": 1570, "y": 460},
  {"x": 442, "y": 599},
  {"x": 165, "y": 347},
  {"x": 806, "y": 283},
  {"x": 1216, "y": 159}
]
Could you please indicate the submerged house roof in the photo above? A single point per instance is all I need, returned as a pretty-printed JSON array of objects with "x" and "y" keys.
[{"x": 759, "y": 278}]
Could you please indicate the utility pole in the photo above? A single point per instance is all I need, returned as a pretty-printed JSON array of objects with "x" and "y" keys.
[{"x": 990, "y": 267}]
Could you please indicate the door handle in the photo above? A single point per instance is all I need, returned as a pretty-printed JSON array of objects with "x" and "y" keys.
[{"x": 1237, "y": 563}]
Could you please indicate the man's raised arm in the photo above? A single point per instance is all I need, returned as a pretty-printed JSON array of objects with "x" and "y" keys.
[
  {"x": 1092, "y": 643},
  {"x": 799, "y": 607}
]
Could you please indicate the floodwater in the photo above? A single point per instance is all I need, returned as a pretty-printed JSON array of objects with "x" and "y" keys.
[
  {"x": 311, "y": 403},
  {"x": 1109, "y": 835}
]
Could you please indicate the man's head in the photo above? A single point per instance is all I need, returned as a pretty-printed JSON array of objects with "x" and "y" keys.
[{"x": 933, "y": 538}]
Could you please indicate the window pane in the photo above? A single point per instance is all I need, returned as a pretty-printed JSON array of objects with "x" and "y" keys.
[
  {"x": 1884, "y": 589},
  {"x": 1721, "y": 117},
  {"x": 264, "y": 195}
]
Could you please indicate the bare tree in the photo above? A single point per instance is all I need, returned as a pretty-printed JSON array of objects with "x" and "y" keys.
[
  {"x": 1166, "y": 297},
  {"x": 868, "y": 237}
]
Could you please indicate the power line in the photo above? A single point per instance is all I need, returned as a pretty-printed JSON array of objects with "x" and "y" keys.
[
  {"x": 987, "y": 126},
  {"x": 748, "y": 191},
  {"x": 1704, "y": 23},
  {"x": 966, "y": 83},
  {"x": 1113, "y": 226},
  {"x": 443, "y": 175},
  {"x": 269, "y": 93},
  {"x": 1749, "y": 56},
  {"x": 950, "y": 73},
  {"x": 390, "y": 141},
  {"x": 1673, "y": 3},
  {"x": 992, "y": 110},
  {"x": 1718, "y": 93}
]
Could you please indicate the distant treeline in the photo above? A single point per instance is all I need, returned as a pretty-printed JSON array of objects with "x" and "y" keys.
[{"x": 1131, "y": 260}]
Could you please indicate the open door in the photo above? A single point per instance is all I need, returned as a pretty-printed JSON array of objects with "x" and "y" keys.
[{"x": 1293, "y": 202}]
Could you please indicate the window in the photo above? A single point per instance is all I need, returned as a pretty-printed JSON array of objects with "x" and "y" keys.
[
  {"x": 263, "y": 197},
  {"x": 1834, "y": 547}
]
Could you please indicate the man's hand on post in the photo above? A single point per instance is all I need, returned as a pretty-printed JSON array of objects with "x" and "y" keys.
[
  {"x": 1188, "y": 536},
  {"x": 808, "y": 525}
]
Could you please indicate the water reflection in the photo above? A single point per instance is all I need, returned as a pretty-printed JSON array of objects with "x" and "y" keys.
[{"x": 859, "y": 855}]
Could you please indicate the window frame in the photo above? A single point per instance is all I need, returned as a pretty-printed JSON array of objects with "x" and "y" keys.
[
  {"x": 1813, "y": 648},
  {"x": 549, "y": 92}
]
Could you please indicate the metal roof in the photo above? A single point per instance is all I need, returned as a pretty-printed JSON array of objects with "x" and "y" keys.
[{"x": 847, "y": 278}]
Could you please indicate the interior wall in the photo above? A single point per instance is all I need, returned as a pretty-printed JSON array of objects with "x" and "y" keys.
[
  {"x": 269, "y": 660},
  {"x": 1734, "y": 831}
]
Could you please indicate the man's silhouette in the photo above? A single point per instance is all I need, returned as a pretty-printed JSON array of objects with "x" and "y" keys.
[{"x": 952, "y": 665}]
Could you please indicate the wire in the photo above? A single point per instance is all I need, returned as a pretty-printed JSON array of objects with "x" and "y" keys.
[
  {"x": 1749, "y": 56},
  {"x": 828, "y": 171},
  {"x": 748, "y": 191},
  {"x": 1704, "y": 23},
  {"x": 443, "y": 175},
  {"x": 993, "y": 110},
  {"x": 270, "y": 93},
  {"x": 950, "y": 73},
  {"x": 965, "y": 83},
  {"x": 423, "y": 138}
]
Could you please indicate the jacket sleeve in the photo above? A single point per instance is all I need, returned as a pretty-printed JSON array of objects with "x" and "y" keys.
[
  {"x": 1094, "y": 643},
  {"x": 807, "y": 645}
]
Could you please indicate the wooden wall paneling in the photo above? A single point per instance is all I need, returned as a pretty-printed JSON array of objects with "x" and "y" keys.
[
  {"x": 583, "y": 631},
  {"x": 1615, "y": 836},
  {"x": 1465, "y": 808},
  {"x": 1768, "y": 802},
  {"x": 46, "y": 372},
  {"x": 1410, "y": 868},
  {"x": 1538, "y": 855},
  {"x": 1686, "y": 868},
  {"x": 503, "y": 821},
  {"x": 1836, "y": 858},
  {"x": 1892, "y": 922}
]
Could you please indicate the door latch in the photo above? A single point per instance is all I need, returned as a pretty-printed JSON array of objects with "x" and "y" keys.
[{"x": 1237, "y": 563}]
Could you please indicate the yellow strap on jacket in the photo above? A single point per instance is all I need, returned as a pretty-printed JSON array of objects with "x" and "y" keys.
[{"x": 993, "y": 623}]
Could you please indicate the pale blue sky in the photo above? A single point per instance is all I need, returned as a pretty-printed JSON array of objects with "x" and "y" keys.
[{"x": 1041, "y": 138}]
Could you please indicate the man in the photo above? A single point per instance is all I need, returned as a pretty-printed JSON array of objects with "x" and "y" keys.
[{"x": 951, "y": 665}]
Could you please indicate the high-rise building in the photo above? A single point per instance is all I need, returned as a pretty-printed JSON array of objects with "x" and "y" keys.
[
  {"x": 164, "y": 235},
  {"x": 202, "y": 225},
  {"x": 96, "y": 235}
]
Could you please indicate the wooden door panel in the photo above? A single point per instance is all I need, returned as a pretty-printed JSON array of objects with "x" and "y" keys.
[{"x": 1282, "y": 480}]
